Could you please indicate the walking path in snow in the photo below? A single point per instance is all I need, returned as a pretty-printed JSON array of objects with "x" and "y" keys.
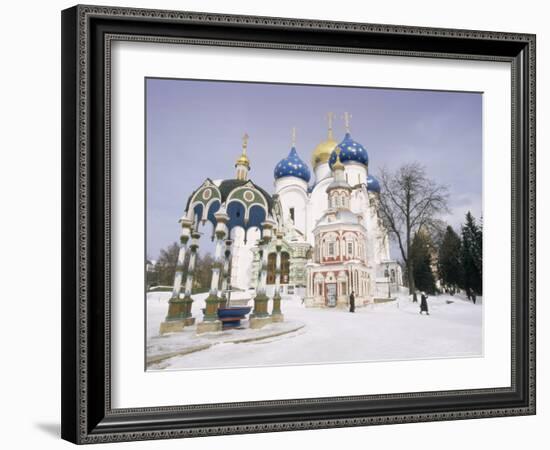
[{"x": 387, "y": 331}]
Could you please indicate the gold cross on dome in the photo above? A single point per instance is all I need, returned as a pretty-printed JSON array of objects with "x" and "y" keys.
[
  {"x": 293, "y": 136},
  {"x": 347, "y": 118},
  {"x": 330, "y": 116},
  {"x": 245, "y": 142}
]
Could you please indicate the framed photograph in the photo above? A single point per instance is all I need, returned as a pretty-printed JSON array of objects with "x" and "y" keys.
[{"x": 280, "y": 224}]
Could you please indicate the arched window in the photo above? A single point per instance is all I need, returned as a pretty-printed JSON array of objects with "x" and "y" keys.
[{"x": 272, "y": 268}]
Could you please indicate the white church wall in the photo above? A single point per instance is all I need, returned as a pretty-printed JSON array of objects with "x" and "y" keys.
[
  {"x": 317, "y": 205},
  {"x": 241, "y": 264},
  {"x": 293, "y": 194},
  {"x": 356, "y": 173},
  {"x": 359, "y": 203},
  {"x": 322, "y": 171}
]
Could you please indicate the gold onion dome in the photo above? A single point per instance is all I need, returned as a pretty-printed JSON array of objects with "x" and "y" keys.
[
  {"x": 243, "y": 161},
  {"x": 322, "y": 152}
]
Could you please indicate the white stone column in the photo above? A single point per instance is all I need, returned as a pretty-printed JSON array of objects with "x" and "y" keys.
[
  {"x": 276, "y": 314},
  {"x": 260, "y": 316},
  {"x": 184, "y": 239},
  {"x": 226, "y": 273},
  {"x": 258, "y": 263},
  {"x": 195, "y": 235},
  {"x": 210, "y": 320},
  {"x": 176, "y": 316}
]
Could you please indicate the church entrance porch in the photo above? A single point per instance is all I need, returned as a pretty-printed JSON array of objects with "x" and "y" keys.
[
  {"x": 331, "y": 295},
  {"x": 331, "y": 289}
]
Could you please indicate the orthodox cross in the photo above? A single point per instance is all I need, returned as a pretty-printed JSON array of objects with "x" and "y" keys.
[
  {"x": 330, "y": 116},
  {"x": 347, "y": 117},
  {"x": 293, "y": 136},
  {"x": 245, "y": 143}
]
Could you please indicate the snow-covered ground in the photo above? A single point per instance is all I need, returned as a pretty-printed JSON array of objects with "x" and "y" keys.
[{"x": 386, "y": 331}]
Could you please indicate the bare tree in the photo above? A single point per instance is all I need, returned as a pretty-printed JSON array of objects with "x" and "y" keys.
[
  {"x": 166, "y": 264},
  {"x": 409, "y": 201}
]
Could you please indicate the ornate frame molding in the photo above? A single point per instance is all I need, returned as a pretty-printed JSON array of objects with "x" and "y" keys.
[{"x": 86, "y": 193}]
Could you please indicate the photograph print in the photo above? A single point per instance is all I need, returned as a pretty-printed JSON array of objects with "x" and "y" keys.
[{"x": 296, "y": 224}]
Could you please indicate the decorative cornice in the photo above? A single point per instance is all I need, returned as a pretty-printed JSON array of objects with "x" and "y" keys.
[{"x": 86, "y": 12}]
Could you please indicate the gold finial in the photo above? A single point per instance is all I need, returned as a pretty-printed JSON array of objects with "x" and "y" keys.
[
  {"x": 243, "y": 159},
  {"x": 330, "y": 116},
  {"x": 293, "y": 136},
  {"x": 347, "y": 118}
]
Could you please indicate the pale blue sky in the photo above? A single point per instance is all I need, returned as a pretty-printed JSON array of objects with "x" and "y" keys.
[{"x": 194, "y": 131}]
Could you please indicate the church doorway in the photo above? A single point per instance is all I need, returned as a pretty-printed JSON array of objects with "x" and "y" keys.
[{"x": 331, "y": 294}]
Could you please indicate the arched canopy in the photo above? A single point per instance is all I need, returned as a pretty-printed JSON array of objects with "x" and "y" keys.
[
  {"x": 204, "y": 202},
  {"x": 246, "y": 204}
]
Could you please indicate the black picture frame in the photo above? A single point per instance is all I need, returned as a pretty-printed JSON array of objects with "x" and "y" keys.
[{"x": 87, "y": 415}]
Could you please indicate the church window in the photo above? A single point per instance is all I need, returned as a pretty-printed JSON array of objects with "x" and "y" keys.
[
  {"x": 350, "y": 248},
  {"x": 331, "y": 249},
  {"x": 272, "y": 268},
  {"x": 291, "y": 212}
]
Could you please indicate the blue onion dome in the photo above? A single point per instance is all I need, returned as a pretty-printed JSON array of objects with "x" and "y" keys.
[
  {"x": 373, "y": 185},
  {"x": 349, "y": 151},
  {"x": 292, "y": 166}
]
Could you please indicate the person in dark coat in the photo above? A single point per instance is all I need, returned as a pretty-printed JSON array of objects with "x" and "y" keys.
[
  {"x": 352, "y": 302},
  {"x": 424, "y": 303}
]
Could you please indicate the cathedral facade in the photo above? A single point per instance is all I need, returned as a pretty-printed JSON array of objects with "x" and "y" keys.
[
  {"x": 335, "y": 211},
  {"x": 318, "y": 234}
]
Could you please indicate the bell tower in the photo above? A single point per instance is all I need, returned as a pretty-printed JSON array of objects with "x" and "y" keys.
[{"x": 339, "y": 191}]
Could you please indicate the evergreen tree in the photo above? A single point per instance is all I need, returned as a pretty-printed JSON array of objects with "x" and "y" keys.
[
  {"x": 450, "y": 260},
  {"x": 421, "y": 249},
  {"x": 472, "y": 255}
]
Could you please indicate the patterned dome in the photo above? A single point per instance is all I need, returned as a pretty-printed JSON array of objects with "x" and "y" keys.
[
  {"x": 350, "y": 151},
  {"x": 373, "y": 185},
  {"x": 292, "y": 166}
]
